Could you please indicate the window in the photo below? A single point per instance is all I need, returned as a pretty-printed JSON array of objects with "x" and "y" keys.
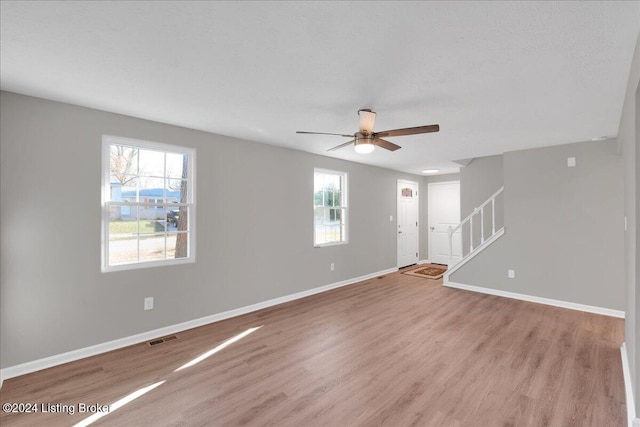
[
  {"x": 148, "y": 204},
  {"x": 330, "y": 207}
]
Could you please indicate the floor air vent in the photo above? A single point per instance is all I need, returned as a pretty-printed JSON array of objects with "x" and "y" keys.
[{"x": 162, "y": 340}]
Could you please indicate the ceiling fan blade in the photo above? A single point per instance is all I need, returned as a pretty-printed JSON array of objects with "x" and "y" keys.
[
  {"x": 386, "y": 144},
  {"x": 341, "y": 145},
  {"x": 367, "y": 119},
  {"x": 324, "y": 133},
  {"x": 407, "y": 131}
]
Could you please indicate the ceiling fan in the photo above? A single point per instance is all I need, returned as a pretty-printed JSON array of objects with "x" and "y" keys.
[{"x": 365, "y": 140}]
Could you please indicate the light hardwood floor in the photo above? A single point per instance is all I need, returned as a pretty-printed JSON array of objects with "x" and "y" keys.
[{"x": 394, "y": 351}]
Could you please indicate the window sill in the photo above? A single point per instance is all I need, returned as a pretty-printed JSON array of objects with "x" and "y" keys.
[
  {"x": 324, "y": 245},
  {"x": 147, "y": 264}
]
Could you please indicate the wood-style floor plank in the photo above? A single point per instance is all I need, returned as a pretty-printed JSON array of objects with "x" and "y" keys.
[{"x": 393, "y": 351}]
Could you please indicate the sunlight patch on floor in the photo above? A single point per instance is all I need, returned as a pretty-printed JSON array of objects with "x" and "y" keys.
[
  {"x": 118, "y": 404},
  {"x": 218, "y": 348}
]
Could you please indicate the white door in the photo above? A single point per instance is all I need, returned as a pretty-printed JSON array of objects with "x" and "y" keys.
[
  {"x": 407, "y": 223},
  {"x": 444, "y": 211}
]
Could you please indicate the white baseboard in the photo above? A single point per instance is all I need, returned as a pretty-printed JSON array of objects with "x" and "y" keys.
[
  {"x": 539, "y": 300},
  {"x": 632, "y": 421},
  {"x": 70, "y": 356}
]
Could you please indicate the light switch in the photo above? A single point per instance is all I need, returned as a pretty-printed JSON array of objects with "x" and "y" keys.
[{"x": 571, "y": 162}]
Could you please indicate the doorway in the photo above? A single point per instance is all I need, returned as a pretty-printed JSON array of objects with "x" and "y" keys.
[
  {"x": 408, "y": 231},
  {"x": 444, "y": 211}
]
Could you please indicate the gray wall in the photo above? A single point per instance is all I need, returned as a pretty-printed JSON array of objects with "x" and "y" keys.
[
  {"x": 479, "y": 181},
  {"x": 424, "y": 208},
  {"x": 634, "y": 295},
  {"x": 53, "y": 297},
  {"x": 629, "y": 143},
  {"x": 481, "y": 178},
  {"x": 564, "y": 234}
]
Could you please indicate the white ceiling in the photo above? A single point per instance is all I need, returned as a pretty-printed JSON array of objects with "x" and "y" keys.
[{"x": 495, "y": 76}]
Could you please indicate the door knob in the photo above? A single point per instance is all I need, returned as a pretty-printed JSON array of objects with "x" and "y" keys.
[
  {"x": 432, "y": 228},
  {"x": 399, "y": 232}
]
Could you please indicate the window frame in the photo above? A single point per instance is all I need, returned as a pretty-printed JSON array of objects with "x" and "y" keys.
[
  {"x": 344, "y": 205},
  {"x": 107, "y": 141}
]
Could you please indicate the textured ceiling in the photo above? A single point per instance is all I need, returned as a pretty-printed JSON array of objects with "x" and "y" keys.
[{"x": 495, "y": 76}]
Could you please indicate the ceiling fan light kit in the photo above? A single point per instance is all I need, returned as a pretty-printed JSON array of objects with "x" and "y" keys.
[
  {"x": 364, "y": 145},
  {"x": 365, "y": 140},
  {"x": 367, "y": 119}
]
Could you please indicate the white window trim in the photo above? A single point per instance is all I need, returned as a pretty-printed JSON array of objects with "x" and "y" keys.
[
  {"x": 107, "y": 140},
  {"x": 345, "y": 207}
]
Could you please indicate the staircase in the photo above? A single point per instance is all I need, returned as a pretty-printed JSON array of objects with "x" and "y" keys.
[{"x": 479, "y": 240}]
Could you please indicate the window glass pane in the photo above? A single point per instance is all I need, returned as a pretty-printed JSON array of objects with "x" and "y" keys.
[
  {"x": 119, "y": 184},
  {"x": 151, "y": 163},
  {"x": 151, "y": 247},
  {"x": 183, "y": 218},
  {"x": 151, "y": 188},
  {"x": 176, "y": 165},
  {"x": 128, "y": 191},
  {"x": 123, "y": 249},
  {"x": 149, "y": 226},
  {"x": 119, "y": 213},
  {"x": 171, "y": 245},
  {"x": 123, "y": 235},
  {"x": 122, "y": 221},
  {"x": 126, "y": 180},
  {"x": 177, "y": 245},
  {"x": 175, "y": 188},
  {"x": 320, "y": 234},
  {"x": 123, "y": 160},
  {"x": 177, "y": 218},
  {"x": 334, "y": 233},
  {"x": 172, "y": 216}
]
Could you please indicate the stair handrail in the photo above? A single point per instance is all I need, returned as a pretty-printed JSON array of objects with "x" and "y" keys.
[{"x": 469, "y": 219}]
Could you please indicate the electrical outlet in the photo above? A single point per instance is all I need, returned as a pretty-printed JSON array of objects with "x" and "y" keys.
[
  {"x": 571, "y": 162},
  {"x": 390, "y": 218},
  {"x": 148, "y": 303},
  {"x": 332, "y": 266},
  {"x": 511, "y": 274}
]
